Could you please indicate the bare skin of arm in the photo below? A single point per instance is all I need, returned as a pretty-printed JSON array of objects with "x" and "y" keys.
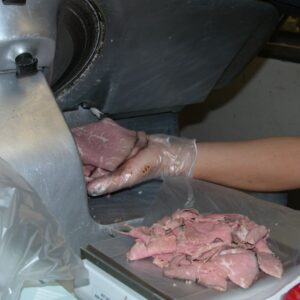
[{"x": 271, "y": 164}]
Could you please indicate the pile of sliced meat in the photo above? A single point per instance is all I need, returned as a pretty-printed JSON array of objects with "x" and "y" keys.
[{"x": 207, "y": 249}]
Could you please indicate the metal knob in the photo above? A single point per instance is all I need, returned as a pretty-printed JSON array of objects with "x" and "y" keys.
[{"x": 26, "y": 64}]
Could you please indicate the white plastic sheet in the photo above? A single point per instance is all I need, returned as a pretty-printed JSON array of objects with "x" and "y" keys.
[{"x": 31, "y": 244}]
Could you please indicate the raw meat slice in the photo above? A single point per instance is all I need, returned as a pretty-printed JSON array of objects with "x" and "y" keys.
[
  {"x": 240, "y": 264},
  {"x": 212, "y": 276},
  {"x": 208, "y": 274},
  {"x": 156, "y": 245},
  {"x": 141, "y": 233},
  {"x": 157, "y": 230},
  {"x": 162, "y": 260},
  {"x": 207, "y": 249},
  {"x": 262, "y": 246},
  {"x": 185, "y": 272},
  {"x": 104, "y": 144},
  {"x": 256, "y": 234},
  {"x": 270, "y": 264},
  {"x": 169, "y": 223},
  {"x": 213, "y": 231}
]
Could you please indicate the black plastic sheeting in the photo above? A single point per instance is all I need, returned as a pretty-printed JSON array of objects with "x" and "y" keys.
[{"x": 160, "y": 54}]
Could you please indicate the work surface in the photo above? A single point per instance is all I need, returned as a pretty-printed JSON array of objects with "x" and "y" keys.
[
  {"x": 177, "y": 193},
  {"x": 116, "y": 249}
]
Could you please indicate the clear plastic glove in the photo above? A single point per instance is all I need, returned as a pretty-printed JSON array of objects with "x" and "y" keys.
[
  {"x": 163, "y": 156},
  {"x": 104, "y": 145}
]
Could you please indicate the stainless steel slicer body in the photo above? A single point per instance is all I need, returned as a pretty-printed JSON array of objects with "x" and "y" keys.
[{"x": 34, "y": 137}]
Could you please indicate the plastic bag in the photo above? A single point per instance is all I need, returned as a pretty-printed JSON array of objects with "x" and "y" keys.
[
  {"x": 31, "y": 244},
  {"x": 283, "y": 222},
  {"x": 176, "y": 193}
]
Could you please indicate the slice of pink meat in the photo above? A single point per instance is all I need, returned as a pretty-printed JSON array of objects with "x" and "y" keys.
[
  {"x": 141, "y": 233},
  {"x": 185, "y": 272},
  {"x": 207, "y": 274},
  {"x": 267, "y": 261},
  {"x": 262, "y": 246},
  {"x": 162, "y": 260},
  {"x": 208, "y": 249},
  {"x": 157, "y": 230},
  {"x": 257, "y": 233},
  {"x": 249, "y": 232},
  {"x": 270, "y": 264},
  {"x": 241, "y": 266},
  {"x": 213, "y": 231},
  {"x": 104, "y": 144},
  {"x": 212, "y": 276},
  {"x": 156, "y": 245}
]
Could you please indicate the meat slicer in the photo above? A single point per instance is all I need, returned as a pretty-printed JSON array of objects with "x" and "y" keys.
[{"x": 132, "y": 60}]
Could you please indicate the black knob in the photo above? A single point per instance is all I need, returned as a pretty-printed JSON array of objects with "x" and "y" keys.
[
  {"x": 14, "y": 2},
  {"x": 26, "y": 64}
]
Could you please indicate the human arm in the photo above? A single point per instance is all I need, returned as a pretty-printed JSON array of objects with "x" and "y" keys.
[
  {"x": 269, "y": 164},
  {"x": 163, "y": 156}
]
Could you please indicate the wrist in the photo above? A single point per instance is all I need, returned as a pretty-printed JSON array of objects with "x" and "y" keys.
[{"x": 177, "y": 155}]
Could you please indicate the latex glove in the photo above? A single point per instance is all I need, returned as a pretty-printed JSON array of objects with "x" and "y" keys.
[
  {"x": 104, "y": 145},
  {"x": 163, "y": 156}
]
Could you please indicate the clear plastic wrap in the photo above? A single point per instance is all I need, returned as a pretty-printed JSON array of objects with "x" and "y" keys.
[
  {"x": 283, "y": 222},
  {"x": 176, "y": 193},
  {"x": 31, "y": 244}
]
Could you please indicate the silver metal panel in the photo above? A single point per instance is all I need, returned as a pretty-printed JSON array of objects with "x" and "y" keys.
[
  {"x": 28, "y": 28},
  {"x": 36, "y": 141}
]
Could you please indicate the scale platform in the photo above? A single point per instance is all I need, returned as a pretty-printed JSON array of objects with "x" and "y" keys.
[{"x": 112, "y": 277}]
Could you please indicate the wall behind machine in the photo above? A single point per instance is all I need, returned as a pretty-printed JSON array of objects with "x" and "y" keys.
[{"x": 264, "y": 100}]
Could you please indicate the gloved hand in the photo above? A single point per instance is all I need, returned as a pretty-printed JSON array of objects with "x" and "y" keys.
[
  {"x": 163, "y": 156},
  {"x": 104, "y": 145}
]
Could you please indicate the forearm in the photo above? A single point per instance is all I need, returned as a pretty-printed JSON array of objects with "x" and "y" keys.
[{"x": 271, "y": 164}]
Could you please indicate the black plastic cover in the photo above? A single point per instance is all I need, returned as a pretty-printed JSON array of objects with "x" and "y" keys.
[
  {"x": 14, "y": 2},
  {"x": 161, "y": 54}
]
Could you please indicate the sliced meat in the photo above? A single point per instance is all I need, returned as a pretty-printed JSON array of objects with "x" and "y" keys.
[
  {"x": 162, "y": 260},
  {"x": 262, "y": 246},
  {"x": 257, "y": 233},
  {"x": 104, "y": 144},
  {"x": 207, "y": 249},
  {"x": 241, "y": 266},
  {"x": 212, "y": 276},
  {"x": 270, "y": 264},
  {"x": 249, "y": 232},
  {"x": 157, "y": 230},
  {"x": 156, "y": 245},
  {"x": 213, "y": 231},
  {"x": 207, "y": 274},
  {"x": 185, "y": 272},
  {"x": 141, "y": 233}
]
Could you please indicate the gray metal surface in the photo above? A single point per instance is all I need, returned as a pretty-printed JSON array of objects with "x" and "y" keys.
[
  {"x": 28, "y": 28},
  {"x": 116, "y": 249},
  {"x": 36, "y": 141}
]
